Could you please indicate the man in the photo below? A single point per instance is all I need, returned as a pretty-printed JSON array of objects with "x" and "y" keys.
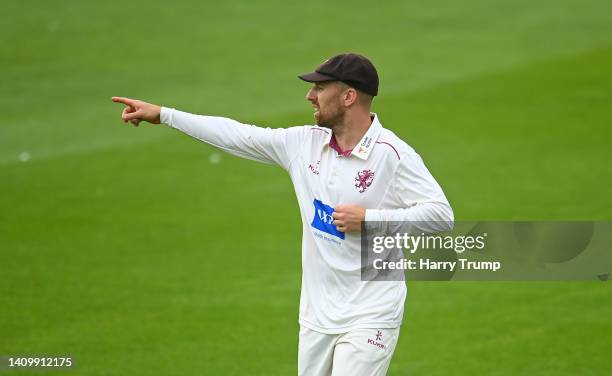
[{"x": 345, "y": 170}]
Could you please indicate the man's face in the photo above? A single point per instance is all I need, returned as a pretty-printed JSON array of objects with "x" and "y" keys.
[{"x": 326, "y": 100}]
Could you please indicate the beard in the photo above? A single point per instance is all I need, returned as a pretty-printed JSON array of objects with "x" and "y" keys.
[{"x": 329, "y": 119}]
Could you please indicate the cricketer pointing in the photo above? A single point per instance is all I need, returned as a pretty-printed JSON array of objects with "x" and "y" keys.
[{"x": 345, "y": 169}]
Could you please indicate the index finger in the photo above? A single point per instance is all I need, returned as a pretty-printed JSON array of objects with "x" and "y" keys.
[{"x": 127, "y": 101}]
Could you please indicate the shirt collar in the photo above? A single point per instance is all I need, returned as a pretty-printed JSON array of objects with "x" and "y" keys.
[
  {"x": 364, "y": 147},
  {"x": 333, "y": 143}
]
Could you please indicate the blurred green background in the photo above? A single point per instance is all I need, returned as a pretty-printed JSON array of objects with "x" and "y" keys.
[{"x": 142, "y": 251}]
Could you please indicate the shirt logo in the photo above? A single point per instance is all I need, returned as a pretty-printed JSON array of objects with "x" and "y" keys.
[
  {"x": 376, "y": 342},
  {"x": 367, "y": 141},
  {"x": 363, "y": 180},
  {"x": 323, "y": 219},
  {"x": 315, "y": 169}
]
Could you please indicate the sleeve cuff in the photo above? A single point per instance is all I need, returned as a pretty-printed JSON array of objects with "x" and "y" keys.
[
  {"x": 165, "y": 115},
  {"x": 373, "y": 215}
]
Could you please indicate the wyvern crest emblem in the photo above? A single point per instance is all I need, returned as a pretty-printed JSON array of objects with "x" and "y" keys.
[{"x": 364, "y": 180}]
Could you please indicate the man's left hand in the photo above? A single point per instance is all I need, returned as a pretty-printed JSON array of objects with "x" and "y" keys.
[{"x": 348, "y": 218}]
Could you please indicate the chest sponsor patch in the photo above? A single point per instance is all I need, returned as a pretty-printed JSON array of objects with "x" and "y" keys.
[{"x": 323, "y": 219}]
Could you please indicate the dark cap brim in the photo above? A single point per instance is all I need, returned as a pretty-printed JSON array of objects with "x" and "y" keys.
[{"x": 316, "y": 77}]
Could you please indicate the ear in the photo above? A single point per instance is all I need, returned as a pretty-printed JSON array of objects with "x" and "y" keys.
[{"x": 349, "y": 96}]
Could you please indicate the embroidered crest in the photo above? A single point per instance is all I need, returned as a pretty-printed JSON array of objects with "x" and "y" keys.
[{"x": 364, "y": 180}]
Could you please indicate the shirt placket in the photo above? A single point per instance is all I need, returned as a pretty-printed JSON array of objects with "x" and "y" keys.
[{"x": 335, "y": 180}]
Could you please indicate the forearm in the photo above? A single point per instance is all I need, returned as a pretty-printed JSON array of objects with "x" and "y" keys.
[
  {"x": 220, "y": 132},
  {"x": 427, "y": 217},
  {"x": 247, "y": 141}
]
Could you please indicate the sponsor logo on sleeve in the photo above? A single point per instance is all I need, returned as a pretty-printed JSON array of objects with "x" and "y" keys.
[{"x": 323, "y": 219}]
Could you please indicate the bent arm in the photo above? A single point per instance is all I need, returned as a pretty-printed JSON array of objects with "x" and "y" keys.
[{"x": 419, "y": 200}]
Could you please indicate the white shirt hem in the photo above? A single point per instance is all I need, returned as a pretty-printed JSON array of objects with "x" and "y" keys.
[{"x": 348, "y": 328}]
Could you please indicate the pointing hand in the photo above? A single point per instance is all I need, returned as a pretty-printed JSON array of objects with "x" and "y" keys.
[{"x": 137, "y": 111}]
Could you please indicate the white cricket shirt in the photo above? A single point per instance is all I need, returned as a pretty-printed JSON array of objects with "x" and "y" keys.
[{"x": 382, "y": 174}]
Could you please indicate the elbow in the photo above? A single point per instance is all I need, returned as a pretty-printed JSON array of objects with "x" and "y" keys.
[
  {"x": 437, "y": 216},
  {"x": 446, "y": 215},
  {"x": 451, "y": 218}
]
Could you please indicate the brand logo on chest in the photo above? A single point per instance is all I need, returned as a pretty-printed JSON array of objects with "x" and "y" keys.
[
  {"x": 314, "y": 168},
  {"x": 323, "y": 219},
  {"x": 363, "y": 180}
]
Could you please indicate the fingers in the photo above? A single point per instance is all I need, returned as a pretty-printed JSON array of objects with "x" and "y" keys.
[
  {"x": 127, "y": 110},
  {"x": 339, "y": 220},
  {"x": 129, "y": 113},
  {"x": 345, "y": 219},
  {"x": 132, "y": 115},
  {"x": 127, "y": 101},
  {"x": 340, "y": 225}
]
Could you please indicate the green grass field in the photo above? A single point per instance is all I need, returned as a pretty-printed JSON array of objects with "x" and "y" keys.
[{"x": 129, "y": 250}]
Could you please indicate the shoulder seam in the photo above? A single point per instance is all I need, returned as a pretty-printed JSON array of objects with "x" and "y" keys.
[
  {"x": 392, "y": 147},
  {"x": 319, "y": 129}
]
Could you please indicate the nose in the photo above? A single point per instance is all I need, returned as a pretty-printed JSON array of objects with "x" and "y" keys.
[{"x": 310, "y": 96}]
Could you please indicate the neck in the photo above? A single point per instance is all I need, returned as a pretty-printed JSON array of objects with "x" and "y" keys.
[{"x": 351, "y": 129}]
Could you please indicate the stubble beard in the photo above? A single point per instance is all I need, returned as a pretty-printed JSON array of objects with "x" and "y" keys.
[{"x": 329, "y": 120}]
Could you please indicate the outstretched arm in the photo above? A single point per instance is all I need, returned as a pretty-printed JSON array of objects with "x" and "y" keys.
[{"x": 278, "y": 146}]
